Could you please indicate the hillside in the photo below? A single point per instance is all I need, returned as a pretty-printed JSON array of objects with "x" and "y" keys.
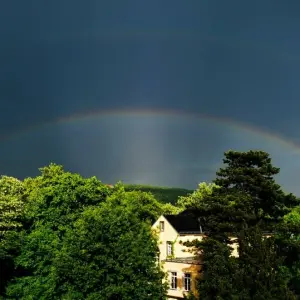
[{"x": 162, "y": 194}]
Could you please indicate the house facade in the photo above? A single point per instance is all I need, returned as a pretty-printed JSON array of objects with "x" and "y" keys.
[{"x": 181, "y": 266}]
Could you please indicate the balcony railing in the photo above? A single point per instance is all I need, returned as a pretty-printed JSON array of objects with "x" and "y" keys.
[{"x": 193, "y": 260}]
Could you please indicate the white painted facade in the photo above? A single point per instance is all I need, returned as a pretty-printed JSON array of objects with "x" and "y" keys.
[{"x": 167, "y": 233}]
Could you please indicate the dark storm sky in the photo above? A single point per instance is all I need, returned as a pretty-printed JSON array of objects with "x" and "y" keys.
[{"x": 233, "y": 59}]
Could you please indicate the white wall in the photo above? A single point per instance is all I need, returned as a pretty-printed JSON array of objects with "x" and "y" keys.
[
  {"x": 180, "y": 269},
  {"x": 170, "y": 234}
]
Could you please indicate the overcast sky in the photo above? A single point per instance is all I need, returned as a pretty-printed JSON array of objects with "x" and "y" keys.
[{"x": 238, "y": 60}]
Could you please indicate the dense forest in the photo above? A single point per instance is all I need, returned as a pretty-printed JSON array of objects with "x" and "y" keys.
[
  {"x": 63, "y": 236},
  {"x": 162, "y": 194}
]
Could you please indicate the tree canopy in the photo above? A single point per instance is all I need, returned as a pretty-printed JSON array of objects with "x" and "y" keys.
[
  {"x": 63, "y": 236},
  {"x": 11, "y": 213},
  {"x": 252, "y": 173},
  {"x": 11, "y": 204},
  {"x": 85, "y": 240},
  {"x": 193, "y": 200},
  {"x": 247, "y": 203}
]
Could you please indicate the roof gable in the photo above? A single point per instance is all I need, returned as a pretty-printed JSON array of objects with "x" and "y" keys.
[{"x": 163, "y": 218}]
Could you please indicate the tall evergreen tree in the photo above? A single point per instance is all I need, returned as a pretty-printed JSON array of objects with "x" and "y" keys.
[
  {"x": 252, "y": 173},
  {"x": 218, "y": 272},
  {"x": 260, "y": 273},
  {"x": 247, "y": 202}
]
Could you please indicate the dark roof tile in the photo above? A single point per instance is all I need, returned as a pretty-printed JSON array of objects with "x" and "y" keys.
[{"x": 184, "y": 222}]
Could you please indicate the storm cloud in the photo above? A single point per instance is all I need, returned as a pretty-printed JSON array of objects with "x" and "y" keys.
[{"x": 228, "y": 59}]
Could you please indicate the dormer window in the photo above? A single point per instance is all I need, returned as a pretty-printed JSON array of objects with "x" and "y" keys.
[{"x": 162, "y": 226}]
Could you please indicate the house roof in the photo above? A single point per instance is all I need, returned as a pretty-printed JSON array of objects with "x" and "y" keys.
[{"x": 184, "y": 222}]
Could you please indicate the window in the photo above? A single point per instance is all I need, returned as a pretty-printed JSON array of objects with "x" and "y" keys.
[
  {"x": 187, "y": 281},
  {"x": 169, "y": 249},
  {"x": 173, "y": 281},
  {"x": 162, "y": 226}
]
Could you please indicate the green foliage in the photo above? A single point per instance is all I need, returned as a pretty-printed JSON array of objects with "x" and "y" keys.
[
  {"x": 193, "y": 200},
  {"x": 148, "y": 208},
  {"x": 110, "y": 254},
  {"x": 252, "y": 173},
  {"x": 162, "y": 194},
  {"x": 288, "y": 246},
  {"x": 169, "y": 209},
  {"x": 224, "y": 215},
  {"x": 247, "y": 201},
  {"x": 54, "y": 200},
  {"x": 261, "y": 273},
  {"x": 85, "y": 240},
  {"x": 11, "y": 204},
  {"x": 218, "y": 280},
  {"x": 11, "y": 212},
  {"x": 63, "y": 236},
  {"x": 59, "y": 195},
  {"x": 292, "y": 219}
]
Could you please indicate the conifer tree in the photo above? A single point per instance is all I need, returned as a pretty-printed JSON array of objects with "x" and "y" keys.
[
  {"x": 247, "y": 203},
  {"x": 252, "y": 173}
]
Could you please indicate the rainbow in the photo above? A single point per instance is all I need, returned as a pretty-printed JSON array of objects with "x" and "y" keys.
[{"x": 95, "y": 114}]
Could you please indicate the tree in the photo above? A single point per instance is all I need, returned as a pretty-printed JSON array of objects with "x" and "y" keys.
[
  {"x": 110, "y": 254},
  {"x": 56, "y": 195},
  {"x": 86, "y": 240},
  {"x": 194, "y": 200},
  {"x": 252, "y": 173},
  {"x": 11, "y": 211},
  {"x": 288, "y": 246},
  {"x": 54, "y": 201},
  {"x": 217, "y": 279},
  {"x": 169, "y": 209},
  {"x": 11, "y": 204},
  {"x": 247, "y": 202},
  {"x": 143, "y": 203},
  {"x": 260, "y": 273}
]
